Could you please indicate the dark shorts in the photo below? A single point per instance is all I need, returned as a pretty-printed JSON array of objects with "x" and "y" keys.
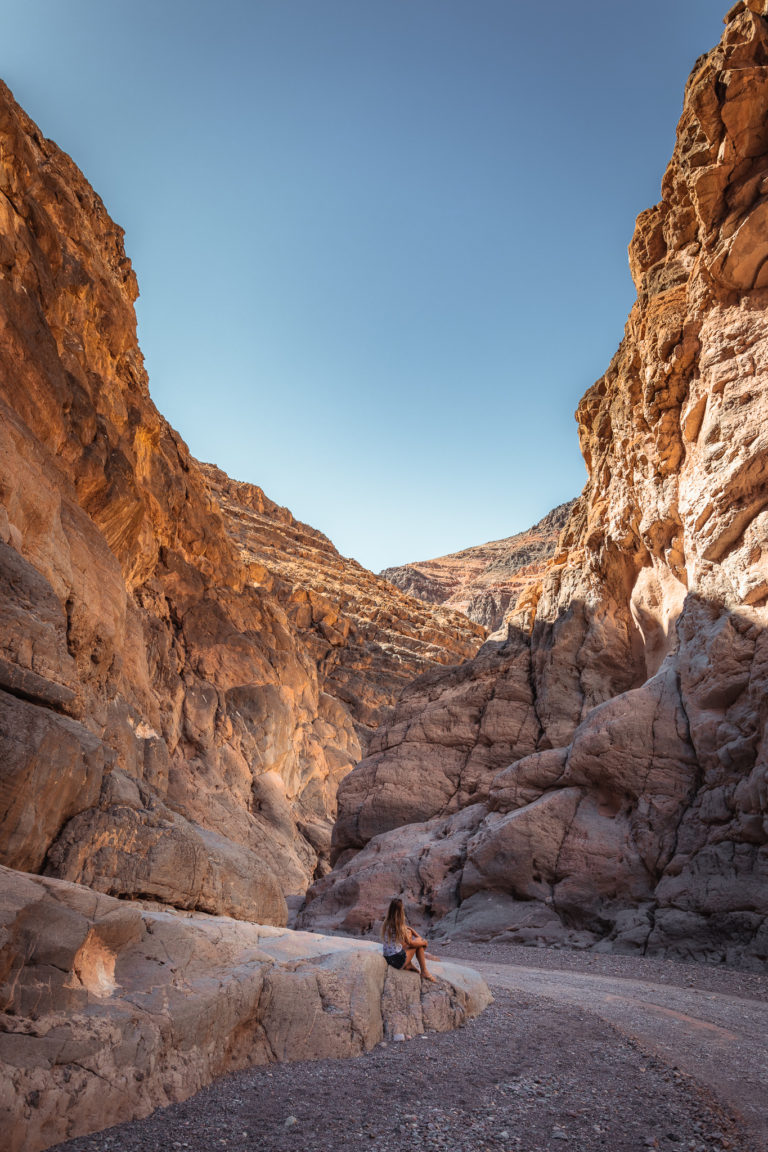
[{"x": 396, "y": 961}]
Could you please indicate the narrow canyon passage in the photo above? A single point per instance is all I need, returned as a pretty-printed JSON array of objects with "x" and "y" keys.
[{"x": 209, "y": 715}]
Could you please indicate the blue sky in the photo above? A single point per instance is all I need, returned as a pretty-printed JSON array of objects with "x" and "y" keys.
[{"x": 381, "y": 244}]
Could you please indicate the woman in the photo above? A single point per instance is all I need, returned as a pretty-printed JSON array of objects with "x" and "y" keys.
[{"x": 400, "y": 943}]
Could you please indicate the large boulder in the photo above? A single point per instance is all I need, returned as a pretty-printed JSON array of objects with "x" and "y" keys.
[{"x": 110, "y": 1009}]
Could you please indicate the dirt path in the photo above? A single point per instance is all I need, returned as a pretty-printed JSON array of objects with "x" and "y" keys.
[
  {"x": 582, "y": 1053},
  {"x": 720, "y": 1041}
]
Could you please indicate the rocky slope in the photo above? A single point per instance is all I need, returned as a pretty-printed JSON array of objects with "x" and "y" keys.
[
  {"x": 178, "y": 699},
  {"x": 121, "y": 1009},
  {"x": 601, "y": 777},
  {"x": 487, "y": 580}
]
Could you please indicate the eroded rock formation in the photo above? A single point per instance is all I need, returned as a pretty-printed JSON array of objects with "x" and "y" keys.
[
  {"x": 601, "y": 777},
  {"x": 109, "y": 1010},
  {"x": 182, "y": 681},
  {"x": 487, "y": 580}
]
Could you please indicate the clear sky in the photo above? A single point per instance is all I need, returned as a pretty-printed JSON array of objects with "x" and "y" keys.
[{"x": 381, "y": 244}]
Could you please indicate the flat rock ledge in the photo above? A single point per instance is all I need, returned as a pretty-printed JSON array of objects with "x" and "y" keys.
[{"x": 110, "y": 1009}]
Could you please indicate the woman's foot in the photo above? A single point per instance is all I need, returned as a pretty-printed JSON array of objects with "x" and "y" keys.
[
  {"x": 410, "y": 968},
  {"x": 428, "y": 976}
]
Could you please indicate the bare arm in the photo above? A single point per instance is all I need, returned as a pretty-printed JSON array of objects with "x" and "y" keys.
[{"x": 414, "y": 940}]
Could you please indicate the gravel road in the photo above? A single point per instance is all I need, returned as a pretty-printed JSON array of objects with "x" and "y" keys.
[
  {"x": 719, "y": 1040},
  {"x": 579, "y": 1053}
]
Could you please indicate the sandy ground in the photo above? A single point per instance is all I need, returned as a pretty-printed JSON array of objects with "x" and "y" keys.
[{"x": 579, "y": 1052}]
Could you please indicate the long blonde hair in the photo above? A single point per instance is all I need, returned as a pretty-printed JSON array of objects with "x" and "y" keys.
[{"x": 393, "y": 927}]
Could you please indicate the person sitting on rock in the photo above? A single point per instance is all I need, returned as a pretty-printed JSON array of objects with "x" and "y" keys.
[{"x": 400, "y": 943}]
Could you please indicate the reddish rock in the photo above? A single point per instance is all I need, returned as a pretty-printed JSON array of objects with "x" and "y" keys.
[{"x": 368, "y": 638}]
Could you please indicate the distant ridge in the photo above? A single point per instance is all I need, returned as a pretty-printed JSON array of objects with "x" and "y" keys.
[{"x": 485, "y": 580}]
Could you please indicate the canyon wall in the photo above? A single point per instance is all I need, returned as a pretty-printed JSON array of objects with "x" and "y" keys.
[
  {"x": 486, "y": 580},
  {"x": 600, "y": 777},
  {"x": 186, "y": 672}
]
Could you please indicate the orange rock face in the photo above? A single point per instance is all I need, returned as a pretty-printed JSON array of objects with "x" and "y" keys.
[
  {"x": 185, "y": 672},
  {"x": 614, "y": 793},
  {"x": 485, "y": 581}
]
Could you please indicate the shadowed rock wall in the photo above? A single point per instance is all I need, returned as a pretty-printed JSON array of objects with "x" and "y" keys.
[{"x": 601, "y": 777}]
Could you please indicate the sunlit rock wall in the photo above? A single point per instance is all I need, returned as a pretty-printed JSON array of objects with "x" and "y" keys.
[
  {"x": 485, "y": 580},
  {"x": 171, "y": 726}
]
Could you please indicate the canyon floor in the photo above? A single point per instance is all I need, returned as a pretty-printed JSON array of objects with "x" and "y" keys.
[{"x": 579, "y": 1051}]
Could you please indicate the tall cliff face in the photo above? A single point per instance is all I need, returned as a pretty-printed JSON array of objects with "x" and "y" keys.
[
  {"x": 171, "y": 726},
  {"x": 487, "y": 580},
  {"x": 602, "y": 776}
]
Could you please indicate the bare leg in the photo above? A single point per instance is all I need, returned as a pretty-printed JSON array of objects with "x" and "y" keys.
[
  {"x": 422, "y": 959},
  {"x": 409, "y": 965},
  {"x": 420, "y": 942}
]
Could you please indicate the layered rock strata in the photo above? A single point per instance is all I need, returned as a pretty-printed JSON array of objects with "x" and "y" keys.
[
  {"x": 486, "y": 581},
  {"x": 109, "y": 1010},
  {"x": 368, "y": 639},
  {"x": 173, "y": 725},
  {"x": 601, "y": 776}
]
